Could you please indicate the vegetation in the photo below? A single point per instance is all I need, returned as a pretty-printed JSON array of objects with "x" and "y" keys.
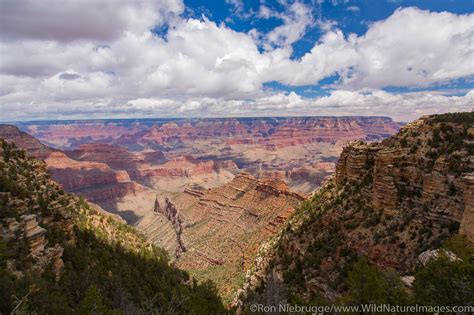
[
  {"x": 466, "y": 118},
  {"x": 108, "y": 267},
  {"x": 367, "y": 285},
  {"x": 443, "y": 281},
  {"x": 321, "y": 251}
]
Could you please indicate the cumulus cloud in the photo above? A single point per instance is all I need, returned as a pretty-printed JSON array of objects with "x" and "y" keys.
[
  {"x": 53, "y": 65},
  {"x": 412, "y": 47},
  {"x": 296, "y": 18},
  {"x": 71, "y": 19},
  {"x": 401, "y": 107}
]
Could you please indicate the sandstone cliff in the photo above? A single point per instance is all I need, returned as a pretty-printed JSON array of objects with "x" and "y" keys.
[
  {"x": 388, "y": 201},
  {"x": 91, "y": 177},
  {"x": 156, "y": 153},
  {"x": 215, "y": 233}
]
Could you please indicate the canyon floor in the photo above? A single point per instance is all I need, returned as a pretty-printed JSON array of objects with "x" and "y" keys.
[{"x": 209, "y": 191}]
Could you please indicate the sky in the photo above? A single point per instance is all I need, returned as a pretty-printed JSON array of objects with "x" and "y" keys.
[{"x": 85, "y": 59}]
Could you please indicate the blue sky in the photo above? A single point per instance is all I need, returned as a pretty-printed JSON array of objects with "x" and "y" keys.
[
  {"x": 193, "y": 58},
  {"x": 350, "y": 16}
]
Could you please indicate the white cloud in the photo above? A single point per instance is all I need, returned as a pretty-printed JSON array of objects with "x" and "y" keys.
[
  {"x": 265, "y": 12},
  {"x": 296, "y": 19},
  {"x": 71, "y": 20},
  {"x": 410, "y": 48},
  {"x": 353, "y": 8},
  {"x": 401, "y": 107},
  {"x": 414, "y": 48},
  {"x": 237, "y": 5},
  {"x": 52, "y": 67}
]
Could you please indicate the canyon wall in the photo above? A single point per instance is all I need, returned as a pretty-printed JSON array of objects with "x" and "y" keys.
[
  {"x": 389, "y": 201},
  {"x": 212, "y": 151}
]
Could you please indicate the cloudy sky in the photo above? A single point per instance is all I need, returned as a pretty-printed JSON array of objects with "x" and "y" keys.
[{"x": 69, "y": 59}]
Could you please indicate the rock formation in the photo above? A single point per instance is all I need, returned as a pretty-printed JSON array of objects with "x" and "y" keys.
[
  {"x": 389, "y": 201},
  {"x": 215, "y": 233},
  {"x": 265, "y": 147},
  {"x": 57, "y": 252},
  {"x": 172, "y": 215},
  {"x": 467, "y": 221}
]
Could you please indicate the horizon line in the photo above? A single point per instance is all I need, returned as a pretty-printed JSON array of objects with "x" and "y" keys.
[{"x": 193, "y": 118}]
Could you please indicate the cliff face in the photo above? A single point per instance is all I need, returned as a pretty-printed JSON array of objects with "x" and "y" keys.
[
  {"x": 27, "y": 142},
  {"x": 73, "y": 175},
  {"x": 171, "y": 213},
  {"x": 467, "y": 221},
  {"x": 288, "y": 148},
  {"x": 57, "y": 253},
  {"x": 388, "y": 201},
  {"x": 215, "y": 233},
  {"x": 273, "y": 132},
  {"x": 427, "y": 165}
]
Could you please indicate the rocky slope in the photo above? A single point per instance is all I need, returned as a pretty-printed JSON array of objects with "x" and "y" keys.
[
  {"x": 215, "y": 233},
  {"x": 73, "y": 175},
  {"x": 148, "y": 164},
  {"x": 105, "y": 174},
  {"x": 60, "y": 255},
  {"x": 389, "y": 201}
]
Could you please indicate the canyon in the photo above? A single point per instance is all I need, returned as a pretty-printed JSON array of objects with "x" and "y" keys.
[
  {"x": 299, "y": 150},
  {"x": 208, "y": 191},
  {"x": 395, "y": 202},
  {"x": 232, "y": 200},
  {"x": 58, "y": 252}
]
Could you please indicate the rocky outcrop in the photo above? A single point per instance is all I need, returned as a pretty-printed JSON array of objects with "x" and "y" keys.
[
  {"x": 385, "y": 193},
  {"x": 216, "y": 232},
  {"x": 171, "y": 213},
  {"x": 389, "y": 201},
  {"x": 277, "y": 188},
  {"x": 34, "y": 234},
  {"x": 28, "y": 230},
  {"x": 428, "y": 255},
  {"x": 467, "y": 221},
  {"x": 353, "y": 162}
]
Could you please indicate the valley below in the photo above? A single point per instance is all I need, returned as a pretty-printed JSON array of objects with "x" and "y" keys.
[
  {"x": 209, "y": 191},
  {"x": 274, "y": 210}
]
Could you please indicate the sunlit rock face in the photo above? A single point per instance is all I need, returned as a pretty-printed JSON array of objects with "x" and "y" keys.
[{"x": 388, "y": 201}]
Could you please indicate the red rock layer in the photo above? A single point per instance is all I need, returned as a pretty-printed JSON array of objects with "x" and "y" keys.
[{"x": 267, "y": 132}]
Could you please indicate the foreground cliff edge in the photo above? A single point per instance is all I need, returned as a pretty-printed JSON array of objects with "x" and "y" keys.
[
  {"x": 394, "y": 225},
  {"x": 60, "y": 255}
]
